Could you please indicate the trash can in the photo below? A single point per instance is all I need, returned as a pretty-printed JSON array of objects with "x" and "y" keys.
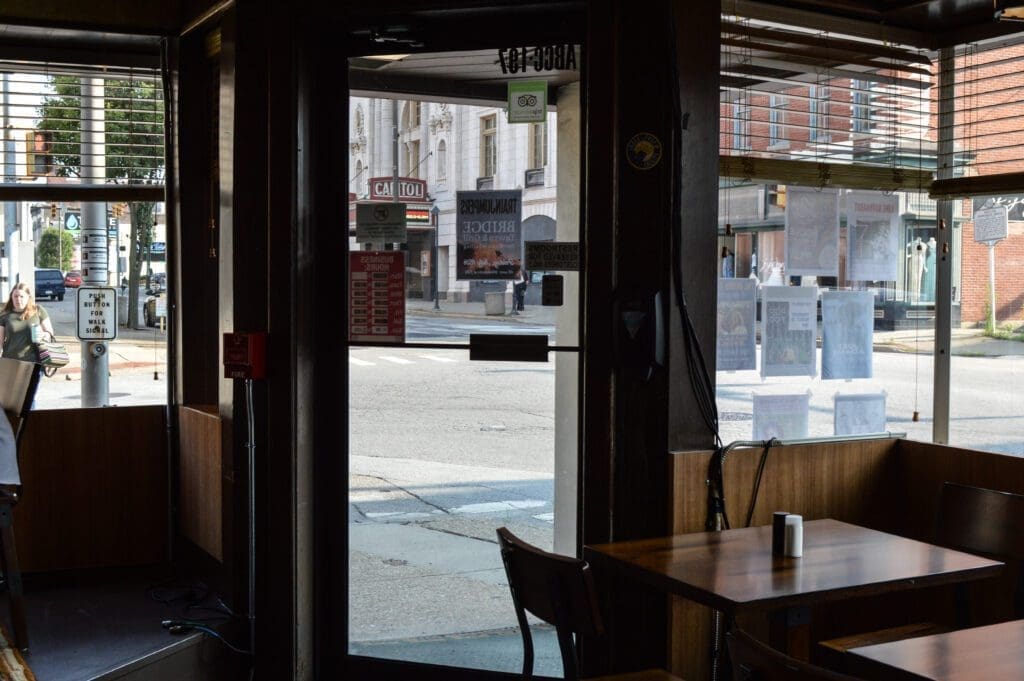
[{"x": 494, "y": 303}]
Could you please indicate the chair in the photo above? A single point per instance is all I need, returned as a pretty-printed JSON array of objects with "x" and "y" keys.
[
  {"x": 18, "y": 383},
  {"x": 560, "y": 591},
  {"x": 755, "y": 661},
  {"x": 973, "y": 520}
]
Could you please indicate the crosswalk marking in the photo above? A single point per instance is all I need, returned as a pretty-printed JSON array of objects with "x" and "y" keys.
[
  {"x": 399, "y": 360},
  {"x": 396, "y": 360}
]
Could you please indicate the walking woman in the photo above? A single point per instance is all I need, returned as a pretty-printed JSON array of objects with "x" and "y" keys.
[{"x": 22, "y": 325}]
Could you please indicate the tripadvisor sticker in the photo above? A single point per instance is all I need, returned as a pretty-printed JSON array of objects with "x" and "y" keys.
[{"x": 643, "y": 151}]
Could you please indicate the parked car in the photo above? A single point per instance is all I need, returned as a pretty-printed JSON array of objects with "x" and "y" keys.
[
  {"x": 157, "y": 283},
  {"x": 49, "y": 284},
  {"x": 73, "y": 279}
]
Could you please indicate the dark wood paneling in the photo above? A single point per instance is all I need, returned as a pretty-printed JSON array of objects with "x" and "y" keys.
[
  {"x": 115, "y": 15},
  {"x": 923, "y": 467},
  {"x": 921, "y": 470},
  {"x": 695, "y": 51},
  {"x": 196, "y": 330},
  {"x": 95, "y": 489},
  {"x": 199, "y": 486},
  {"x": 323, "y": 138}
]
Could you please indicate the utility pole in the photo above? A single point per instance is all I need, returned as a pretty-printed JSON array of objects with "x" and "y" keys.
[
  {"x": 10, "y": 207},
  {"x": 95, "y": 247}
]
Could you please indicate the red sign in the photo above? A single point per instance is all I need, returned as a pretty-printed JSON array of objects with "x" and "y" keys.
[
  {"x": 409, "y": 189},
  {"x": 377, "y": 296}
]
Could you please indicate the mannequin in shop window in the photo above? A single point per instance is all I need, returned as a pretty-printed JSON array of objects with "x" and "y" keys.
[
  {"x": 728, "y": 263},
  {"x": 915, "y": 268},
  {"x": 928, "y": 279}
]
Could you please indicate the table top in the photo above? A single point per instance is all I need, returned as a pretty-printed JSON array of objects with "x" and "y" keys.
[
  {"x": 734, "y": 571},
  {"x": 993, "y": 653}
]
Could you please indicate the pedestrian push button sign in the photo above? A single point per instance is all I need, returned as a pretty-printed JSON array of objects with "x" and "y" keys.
[{"x": 97, "y": 313}]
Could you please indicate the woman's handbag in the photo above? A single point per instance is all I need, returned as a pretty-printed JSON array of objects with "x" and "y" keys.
[{"x": 52, "y": 356}]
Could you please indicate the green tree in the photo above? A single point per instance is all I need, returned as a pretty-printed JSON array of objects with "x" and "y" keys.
[
  {"x": 55, "y": 249},
  {"x": 134, "y": 137}
]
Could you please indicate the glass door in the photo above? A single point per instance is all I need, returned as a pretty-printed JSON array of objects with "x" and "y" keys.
[{"x": 455, "y": 213}]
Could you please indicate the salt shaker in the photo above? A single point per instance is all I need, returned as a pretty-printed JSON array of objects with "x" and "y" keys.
[{"x": 794, "y": 536}]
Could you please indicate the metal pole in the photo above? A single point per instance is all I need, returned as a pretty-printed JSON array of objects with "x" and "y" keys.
[
  {"x": 95, "y": 247},
  {"x": 394, "y": 150},
  {"x": 434, "y": 264},
  {"x": 10, "y": 207},
  {"x": 944, "y": 257},
  {"x": 250, "y": 447},
  {"x": 992, "y": 285}
]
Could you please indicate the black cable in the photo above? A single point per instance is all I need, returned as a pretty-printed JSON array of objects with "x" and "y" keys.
[
  {"x": 185, "y": 626},
  {"x": 757, "y": 479}
]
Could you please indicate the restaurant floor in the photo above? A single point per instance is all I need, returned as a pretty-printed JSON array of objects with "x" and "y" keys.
[{"x": 101, "y": 626}]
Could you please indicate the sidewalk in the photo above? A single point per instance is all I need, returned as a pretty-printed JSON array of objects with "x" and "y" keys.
[
  {"x": 133, "y": 349},
  {"x": 532, "y": 314},
  {"x": 969, "y": 342},
  {"x": 965, "y": 343}
]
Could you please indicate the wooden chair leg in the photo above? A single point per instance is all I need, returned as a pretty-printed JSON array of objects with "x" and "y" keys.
[{"x": 12, "y": 572}]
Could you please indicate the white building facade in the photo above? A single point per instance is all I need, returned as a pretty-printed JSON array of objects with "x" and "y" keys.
[{"x": 452, "y": 148}]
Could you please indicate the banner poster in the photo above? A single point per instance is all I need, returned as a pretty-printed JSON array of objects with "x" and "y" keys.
[
  {"x": 737, "y": 307},
  {"x": 812, "y": 231},
  {"x": 859, "y": 414},
  {"x": 872, "y": 236},
  {"x": 488, "y": 227},
  {"x": 781, "y": 416},
  {"x": 789, "y": 330},
  {"x": 847, "y": 330}
]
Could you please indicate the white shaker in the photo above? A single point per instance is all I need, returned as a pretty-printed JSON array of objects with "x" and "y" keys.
[{"x": 794, "y": 544}]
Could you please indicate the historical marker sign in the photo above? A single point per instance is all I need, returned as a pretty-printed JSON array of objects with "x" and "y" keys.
[
  {"x": 97, "y": 313},
  {"x": 990, "y": 224}
]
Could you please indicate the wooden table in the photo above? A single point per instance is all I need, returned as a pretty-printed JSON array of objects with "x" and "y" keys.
[
  {"x": 734, "y": 571},
  {"x": 992, "y": 653}
]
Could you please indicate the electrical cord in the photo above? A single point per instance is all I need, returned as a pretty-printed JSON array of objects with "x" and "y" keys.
[
  {"x": 185, "y": 626},
  {"x": 757, "y": 479}
]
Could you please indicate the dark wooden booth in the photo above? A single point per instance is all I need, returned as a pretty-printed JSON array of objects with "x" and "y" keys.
[
  {"x": 891, "y": 485},
  {"x": 96, "y": 489}
]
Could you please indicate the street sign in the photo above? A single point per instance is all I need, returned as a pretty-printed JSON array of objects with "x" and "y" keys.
[
  {"x": 72, "y": 220},
  {"x": 380, "y": 223},
  {"x": 97, "y": 313}
]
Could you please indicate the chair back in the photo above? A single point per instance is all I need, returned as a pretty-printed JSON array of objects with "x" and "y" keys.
[
  {"x": 557, "y": 589},
  {"x": 755, "y": 661},
  {"x": 18, "y": 383},
  {"x": 988, "y": 522},
  {"x": 979, "y": 520}
]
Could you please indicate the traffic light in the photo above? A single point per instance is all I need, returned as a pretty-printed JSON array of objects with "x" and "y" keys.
[{"x": 53, "y": 211}]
